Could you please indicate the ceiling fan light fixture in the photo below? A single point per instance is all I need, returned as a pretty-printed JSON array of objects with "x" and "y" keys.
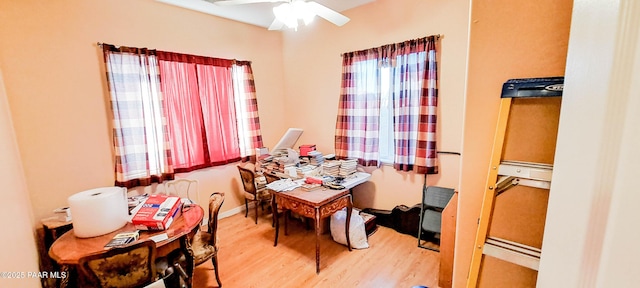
[
  {"x": 285, "y": 14},
  {"x": 303, "y": 11},
  {"x": 291, "y": 12}
]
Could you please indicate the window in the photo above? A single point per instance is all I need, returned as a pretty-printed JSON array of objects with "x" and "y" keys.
[
  {"x": 176, "y": 113},
  {"x": 387, "y": 146},
  {"x": 387, "y": 109}
]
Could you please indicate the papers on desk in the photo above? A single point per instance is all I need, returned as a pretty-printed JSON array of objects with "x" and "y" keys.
[
  {"x": 284, "y": 185},
  {"x": 159, "y": 237},
  {"x": 355, "y": 179}
]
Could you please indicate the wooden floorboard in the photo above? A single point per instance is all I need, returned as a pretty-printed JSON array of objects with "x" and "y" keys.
[{"x": 247, "y": 258}]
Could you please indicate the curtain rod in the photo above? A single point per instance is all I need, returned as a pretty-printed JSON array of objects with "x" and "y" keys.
[
  {"x": 449, "y": 152},
  {"x": 437, "y": 36},
  {"x": 234, "y": 60}
]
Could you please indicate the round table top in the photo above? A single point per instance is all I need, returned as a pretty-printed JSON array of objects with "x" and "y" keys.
[{"x": 68, "y": 249}]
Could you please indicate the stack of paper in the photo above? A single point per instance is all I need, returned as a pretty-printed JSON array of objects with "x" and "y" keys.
[
  {"x": 283, "y": 185},
  {"x": 348, "y": 167},
  {"x": 122, "y": 239},
  {"x": 261, "y": 181},
  {"x": 306, "y": 170},
  {"x": 315, "y": 158},
  {"x": 331, "y": 168}
]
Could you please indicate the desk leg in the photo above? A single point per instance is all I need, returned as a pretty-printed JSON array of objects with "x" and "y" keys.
[
  {"x": 317, "y": 224},
  {"x": 346, "y": 226},
  {"x": 274, "y": 209},
  {"x": 287, "y": 215}
]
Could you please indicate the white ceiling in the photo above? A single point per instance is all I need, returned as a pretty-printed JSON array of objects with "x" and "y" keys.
[{"x": 259, "y": 14}]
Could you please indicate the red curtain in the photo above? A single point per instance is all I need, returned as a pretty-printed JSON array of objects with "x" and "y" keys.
[
  {"x": 200, "y": 110},
  {"x": 216, "y": 96}
]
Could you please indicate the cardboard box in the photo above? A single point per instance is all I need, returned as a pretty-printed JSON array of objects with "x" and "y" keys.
[{"x": 157, "y": 212}]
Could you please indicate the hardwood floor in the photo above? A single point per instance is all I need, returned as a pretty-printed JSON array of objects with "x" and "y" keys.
[{"x": 247, "y": 258}]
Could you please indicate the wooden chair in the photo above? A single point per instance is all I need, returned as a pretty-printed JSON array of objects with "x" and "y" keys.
[
  {"x": 272, "y": 178},
  {"x": 252, "y": 193},
  {"x": 203, "y": 245},
  {"x": 128, "y": 266},
  {"x": 186, "y": 189}
]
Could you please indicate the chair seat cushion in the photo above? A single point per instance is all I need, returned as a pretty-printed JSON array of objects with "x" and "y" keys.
[
  {"x": 202, "y": 250},
  {"x": 263, "y": 195}
]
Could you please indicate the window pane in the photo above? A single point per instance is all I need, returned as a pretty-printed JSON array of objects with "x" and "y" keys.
[
  {"x": 241, "y": 107},
  {"x": 364, "y": 115},
  {"x": 387, "y": 146}
]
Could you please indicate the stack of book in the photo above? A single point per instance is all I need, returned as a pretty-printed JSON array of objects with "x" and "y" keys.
[
  {"x": 263, "y": 162},
  {"x": 306, "y": 170},
  {"x": 261, "y": 182},
  {"x": 310, "y": 186},
  {"x": 270, "y": 168},
  {"x": 283, "y": 164},
  {"x": 331, "y": 168},
  {"x": 315, "y": 158},
  {"x": 348, "y": 167}
]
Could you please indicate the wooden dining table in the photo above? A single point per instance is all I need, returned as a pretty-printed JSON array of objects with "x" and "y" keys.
[{"x": 68, "y": 249}]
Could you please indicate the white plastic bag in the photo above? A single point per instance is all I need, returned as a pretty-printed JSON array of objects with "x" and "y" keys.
[{"x": 357, "y": 232}]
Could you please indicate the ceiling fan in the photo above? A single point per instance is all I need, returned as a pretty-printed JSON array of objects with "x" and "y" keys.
[{"x": 291, "y": 11}]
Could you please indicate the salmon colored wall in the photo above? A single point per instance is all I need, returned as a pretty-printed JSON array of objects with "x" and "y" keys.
[
  {"x": 508, "y": 39},
  {"x": 57, "y": 93},
  {"x": 56, "y": 86},
  {"x": 17, "y": 244},
  {"x": 312, "y": 83}
]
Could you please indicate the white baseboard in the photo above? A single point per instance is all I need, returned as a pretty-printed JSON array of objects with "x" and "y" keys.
[{"x": 234, "y": 211}]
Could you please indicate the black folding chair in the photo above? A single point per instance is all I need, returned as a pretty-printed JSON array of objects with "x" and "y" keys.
[{"x": 434, "y": 200}]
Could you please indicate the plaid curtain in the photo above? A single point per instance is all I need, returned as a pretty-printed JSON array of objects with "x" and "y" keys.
[
  {"x": 427, "y": 155},
  {"x": 358, "y": 119},
  {"x": 247, "y": 105},
  {"x": 414, "y": 95},
  {"x": 140, "y": 137},
  {"x": 415, "y": 102}
]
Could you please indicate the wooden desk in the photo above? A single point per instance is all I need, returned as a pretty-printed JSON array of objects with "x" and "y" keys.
[
  {"x": 316, "y": 204},
  {"x": 68, "y": 249}
]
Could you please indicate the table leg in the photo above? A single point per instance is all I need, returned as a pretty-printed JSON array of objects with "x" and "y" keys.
[
  {"x": 274, "y": 209},
  {"x": 64, "y": 282},
  {"x": 185, "y": 248},
  {"x": 287, "y": 215},
  {"x": 346, "y": 226},
  {"x": 317, "y": 224}
]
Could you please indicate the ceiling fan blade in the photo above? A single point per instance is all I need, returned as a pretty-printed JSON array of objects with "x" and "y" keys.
[
  {"x": 276, "y": 25},
  {"x": 328, "y": 14},
  {"x": 239, "y": 2}
]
